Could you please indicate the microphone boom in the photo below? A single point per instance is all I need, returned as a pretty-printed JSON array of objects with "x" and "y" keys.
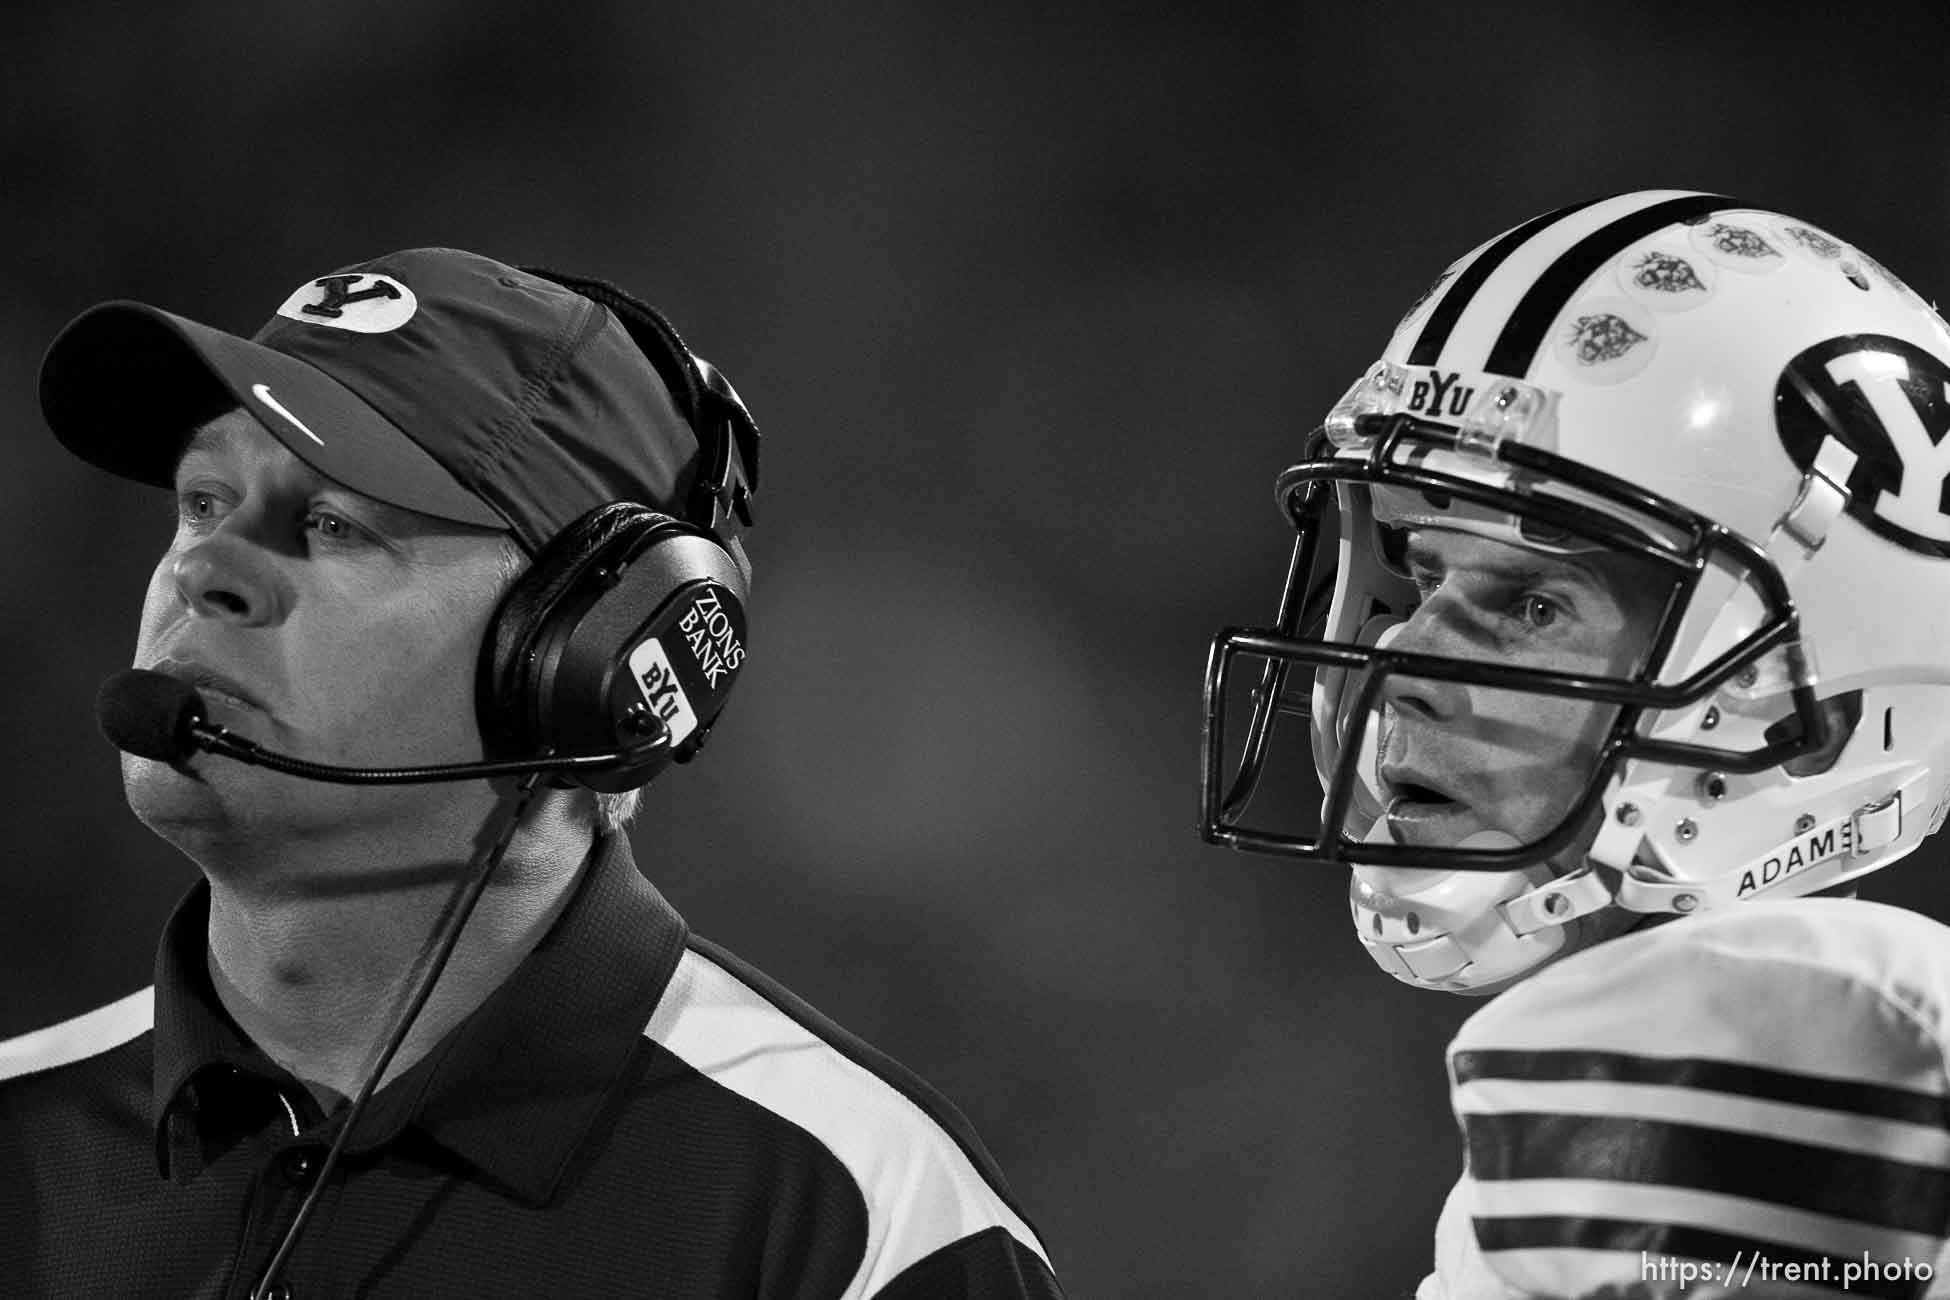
[{"x": 154, "y": 715}]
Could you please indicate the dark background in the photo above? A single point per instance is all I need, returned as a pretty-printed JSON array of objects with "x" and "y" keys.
[{"x": 1032, "y": 303}]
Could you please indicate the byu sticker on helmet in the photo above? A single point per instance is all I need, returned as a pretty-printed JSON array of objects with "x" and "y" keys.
[
  {"x": 364, "y": 304},
  {"x": 1889, "y": 401},
  {"x": 1436, "y": 394}
]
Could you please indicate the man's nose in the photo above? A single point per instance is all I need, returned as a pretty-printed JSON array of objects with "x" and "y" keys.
[
  {"x": 223, "y": 577},
  {"x": 1430, "y": 630}
]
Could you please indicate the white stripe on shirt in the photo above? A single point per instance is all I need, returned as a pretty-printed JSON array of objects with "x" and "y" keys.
[
  {"x": 88, "y": 1034},
  {"x": 922, "y": 1192}
]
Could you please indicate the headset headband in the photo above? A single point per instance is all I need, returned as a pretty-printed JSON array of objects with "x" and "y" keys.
[{"x": 720, "y": 500}]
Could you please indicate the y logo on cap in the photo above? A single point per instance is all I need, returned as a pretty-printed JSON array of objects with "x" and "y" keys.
[{"x": 365, "y": 304}]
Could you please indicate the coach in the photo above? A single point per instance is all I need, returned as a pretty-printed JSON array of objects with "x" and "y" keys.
[{"x": 413, "y": 1035}]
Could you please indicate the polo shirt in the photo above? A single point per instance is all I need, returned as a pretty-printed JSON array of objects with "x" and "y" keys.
[{"x": 634, "y": 1112}]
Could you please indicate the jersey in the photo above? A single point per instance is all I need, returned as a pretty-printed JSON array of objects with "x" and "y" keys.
[{"x": 1752, "y": 1103}]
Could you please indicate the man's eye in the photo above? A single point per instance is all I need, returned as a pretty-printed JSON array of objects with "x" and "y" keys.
[
  {"x": 1539, "y": 611},
  {"x": 197, "y": 507},
  {"x": 332, "y": 527}
]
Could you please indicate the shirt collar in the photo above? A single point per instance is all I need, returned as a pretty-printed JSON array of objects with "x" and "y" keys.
[
  {"x": 194, "y": 1037},
  {"x": 515, "y": 1088}
]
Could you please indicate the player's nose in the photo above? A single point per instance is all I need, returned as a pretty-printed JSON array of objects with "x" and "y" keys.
[{"x": 1430, "y": 630}]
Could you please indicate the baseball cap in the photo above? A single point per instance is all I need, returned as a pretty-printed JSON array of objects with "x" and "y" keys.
[{"x": 436, "y": 380}]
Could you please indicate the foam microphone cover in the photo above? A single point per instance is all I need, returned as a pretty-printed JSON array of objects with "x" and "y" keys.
[{"x": 148, "y": 714}]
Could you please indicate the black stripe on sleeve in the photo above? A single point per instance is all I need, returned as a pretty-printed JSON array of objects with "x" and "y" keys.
[
  {"x": 1879, "y": 1101},
  {"x": 1516, "y": 347},
  {"x": 1658, "y": 1153},
  {"x": 1442, "y": 321},
  {"x": 1656, "y": 1241}
]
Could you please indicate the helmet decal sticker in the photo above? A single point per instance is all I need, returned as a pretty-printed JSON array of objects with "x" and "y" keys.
[
  {"x": 1665, "y": 278},
  {"x": 1528, "y": 329},
  {"x": 1739, "y": 247},
  {"x": 1441, "y": 395},
  {"x": 1812, "y": 240},
  {"x": 1602, "y": 337},
  {"x": 1889, "y": 402},
  {"x": 1604, "y": 340},
  {"x": 1824, "y": 250},
  {"x": 1664, "y": 273},
  {"x": 1739, "y": 241}
]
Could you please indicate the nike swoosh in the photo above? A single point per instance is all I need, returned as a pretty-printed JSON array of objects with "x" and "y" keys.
[{"x": 262, "y": 392}]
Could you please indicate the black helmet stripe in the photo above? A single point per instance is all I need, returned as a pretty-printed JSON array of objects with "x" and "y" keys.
[
  {"x": 1442, "y": 320},
  {"x": 1523, "y": 334}
]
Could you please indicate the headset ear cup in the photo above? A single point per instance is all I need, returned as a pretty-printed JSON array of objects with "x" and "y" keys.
[
  {"x": 504, "y": 680},
  {"x": 589, "y": 639},
  {"x": 680, "y": 662}
]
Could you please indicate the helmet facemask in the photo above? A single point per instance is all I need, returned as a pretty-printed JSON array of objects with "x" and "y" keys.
[{"x": 1352, "y": 501}]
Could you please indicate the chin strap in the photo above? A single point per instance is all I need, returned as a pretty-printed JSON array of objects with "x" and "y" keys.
[
  {"x": 1474, "y": 932},
  {"x": 1814, "y": 856},
  {"x": 1564, "y": 899}
]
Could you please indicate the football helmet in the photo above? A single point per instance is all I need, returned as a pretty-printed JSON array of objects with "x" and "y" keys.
[{"x": 1739, "y": 398}]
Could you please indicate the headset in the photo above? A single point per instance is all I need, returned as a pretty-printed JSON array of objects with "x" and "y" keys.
[{"x": 631, "y": 621}]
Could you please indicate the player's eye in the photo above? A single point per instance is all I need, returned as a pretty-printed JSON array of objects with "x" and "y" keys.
[
  {"x": 1538, "y": 611},
  {"x": 1392, "y": 543},
  {"x": 1424, "y": 571}
]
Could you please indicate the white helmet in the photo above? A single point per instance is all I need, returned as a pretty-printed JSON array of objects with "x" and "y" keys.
[{"x": 1731, "y": 393}]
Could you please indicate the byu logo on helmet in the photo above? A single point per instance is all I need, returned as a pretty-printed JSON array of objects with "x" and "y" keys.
[
  {"x": 364, "y": 304},
  {"x": 1889, "y": 401},
  {"x": 1440, "y": 394}
]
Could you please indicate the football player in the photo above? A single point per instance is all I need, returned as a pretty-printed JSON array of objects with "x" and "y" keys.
[{"x": 1620, "y": 597}]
